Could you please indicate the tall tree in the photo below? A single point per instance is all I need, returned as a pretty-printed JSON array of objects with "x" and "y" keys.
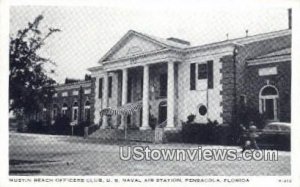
[{"x": 30, "y": 84}]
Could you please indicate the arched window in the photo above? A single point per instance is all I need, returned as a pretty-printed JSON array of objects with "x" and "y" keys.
[
  {"x": 268, "y": 101},
  {"x": 75, "y": 111},
  {"x": 54, "y": 111},
  {"x": 87, "y": 111},
  {"x": 44, "y": 114},
  {"x": 64, "y": 109}
]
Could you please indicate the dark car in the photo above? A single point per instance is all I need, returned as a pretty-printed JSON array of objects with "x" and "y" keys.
[{"x": 275, "y": 135}]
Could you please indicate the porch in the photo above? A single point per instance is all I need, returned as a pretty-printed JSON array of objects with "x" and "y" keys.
[{"x": 145, "y": 97}]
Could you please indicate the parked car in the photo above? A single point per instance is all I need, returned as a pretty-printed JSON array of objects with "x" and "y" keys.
[{"x": 275, "y": 135}]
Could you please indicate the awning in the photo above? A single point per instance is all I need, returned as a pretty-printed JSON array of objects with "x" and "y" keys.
[{"x": 126, "y": 109}]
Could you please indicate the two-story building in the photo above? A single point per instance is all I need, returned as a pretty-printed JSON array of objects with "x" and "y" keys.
[
  {"x": 72, "y": 100},
  {"x": 172, "y": 79}
]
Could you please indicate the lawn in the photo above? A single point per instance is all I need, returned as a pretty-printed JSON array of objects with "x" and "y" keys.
[{"x": 34, "y": 154}]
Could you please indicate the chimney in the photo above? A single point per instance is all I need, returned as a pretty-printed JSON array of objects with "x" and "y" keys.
[
  {"x": 177, "y": 40},
  {"x": 290, "y": 18}
]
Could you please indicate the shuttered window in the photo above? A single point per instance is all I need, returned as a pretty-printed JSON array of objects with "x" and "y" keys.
[
  {"x": 202, "y": 71},
  {"x": 210, "y": 74},
  {"x": 193, "y": 76},
  {"x": 100, "y": 88}
]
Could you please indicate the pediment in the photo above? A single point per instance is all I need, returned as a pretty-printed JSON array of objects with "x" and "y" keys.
[{"x": 131, "y": 44}]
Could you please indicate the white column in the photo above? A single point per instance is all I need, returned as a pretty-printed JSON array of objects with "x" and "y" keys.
[
  {"x": 105, "y": 99},
  {"x": 124, "y": 94},
  {"x": 170, "y": 96},
  {"x": 145, "y": 122}
]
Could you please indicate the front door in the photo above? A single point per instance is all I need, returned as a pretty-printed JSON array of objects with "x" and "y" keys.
[
  {"x": 270, "y": 109},
  {"x": 162, "y": 113}
]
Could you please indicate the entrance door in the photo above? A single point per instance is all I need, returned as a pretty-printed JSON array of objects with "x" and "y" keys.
[
  {"x": 268, "y": 98},
  {"x": 269, "y": 109},
  {"x": 162, "y": 112}
]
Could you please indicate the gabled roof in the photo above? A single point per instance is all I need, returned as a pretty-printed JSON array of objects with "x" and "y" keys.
[
  {"x": 160, "y": 41},
  {"x": 174, "y": 45}
]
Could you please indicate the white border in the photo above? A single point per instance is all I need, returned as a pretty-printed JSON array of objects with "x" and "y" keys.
[{"x": 175, "y": 4}]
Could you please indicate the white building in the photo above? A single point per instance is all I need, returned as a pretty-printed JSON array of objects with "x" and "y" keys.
[{"x": 173, "y": 79}]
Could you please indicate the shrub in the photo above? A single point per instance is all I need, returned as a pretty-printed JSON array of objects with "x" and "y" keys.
[
  {"x": 191, "y": 118},
  {"x": 247, "y": 114},
  {"x": 79, "y": 129},
  {"x": 62, "y": 125},
  {"x": 205, "y": 133},
  {"x": 35, "y": 126}
]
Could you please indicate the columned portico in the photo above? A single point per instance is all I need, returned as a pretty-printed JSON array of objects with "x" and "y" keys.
[
  {"x": 145, "y": 119},
  {"x": 170, "y": 95},
  {"x": 124, "y": 94},
  {"x": 105, "y": 98}
]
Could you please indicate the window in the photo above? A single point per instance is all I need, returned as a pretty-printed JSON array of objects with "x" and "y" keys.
[
  {"x": 75, "y": 111},
  {"x": 75, "y": 115},
  {"x": 87, "y": 91},
  {"x": 193, "y": 76},
  {"x": 54, "y": 111},
  {"x": 44, "y": 115},
  {"x": 202, "y": 110},
  {"x": 243, "y": 100},
  {"x": 162, "y": 111},
  {"x": 87, "y": 111},
  {"x": 100, "y": 88},
  {"x": 202, "y": 71},
  {"x": 109, "y": 87},
  {"x": 64, "y": 109},
  {"x": 75, "y": 92},
  {"x": 64, "y": 94},
  {"x": 163, "y": 82},
  {"x": 268, "y": 91},
  {"x": 210, "y": 74}
]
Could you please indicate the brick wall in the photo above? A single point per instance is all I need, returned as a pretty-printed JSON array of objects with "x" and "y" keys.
[
  {"x": 282, "y": 81},
  {"x": 81, "y": 99},
  {"x": 227, "y": 92}
]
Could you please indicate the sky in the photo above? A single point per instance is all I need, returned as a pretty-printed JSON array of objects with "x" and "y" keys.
[{"x": 88, "y": 32}]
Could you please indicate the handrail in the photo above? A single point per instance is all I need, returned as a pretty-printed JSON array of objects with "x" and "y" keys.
[{"x": 162, "y": 124}]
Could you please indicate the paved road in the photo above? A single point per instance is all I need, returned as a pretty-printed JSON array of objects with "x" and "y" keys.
[{"x": 32, "y": 154}]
